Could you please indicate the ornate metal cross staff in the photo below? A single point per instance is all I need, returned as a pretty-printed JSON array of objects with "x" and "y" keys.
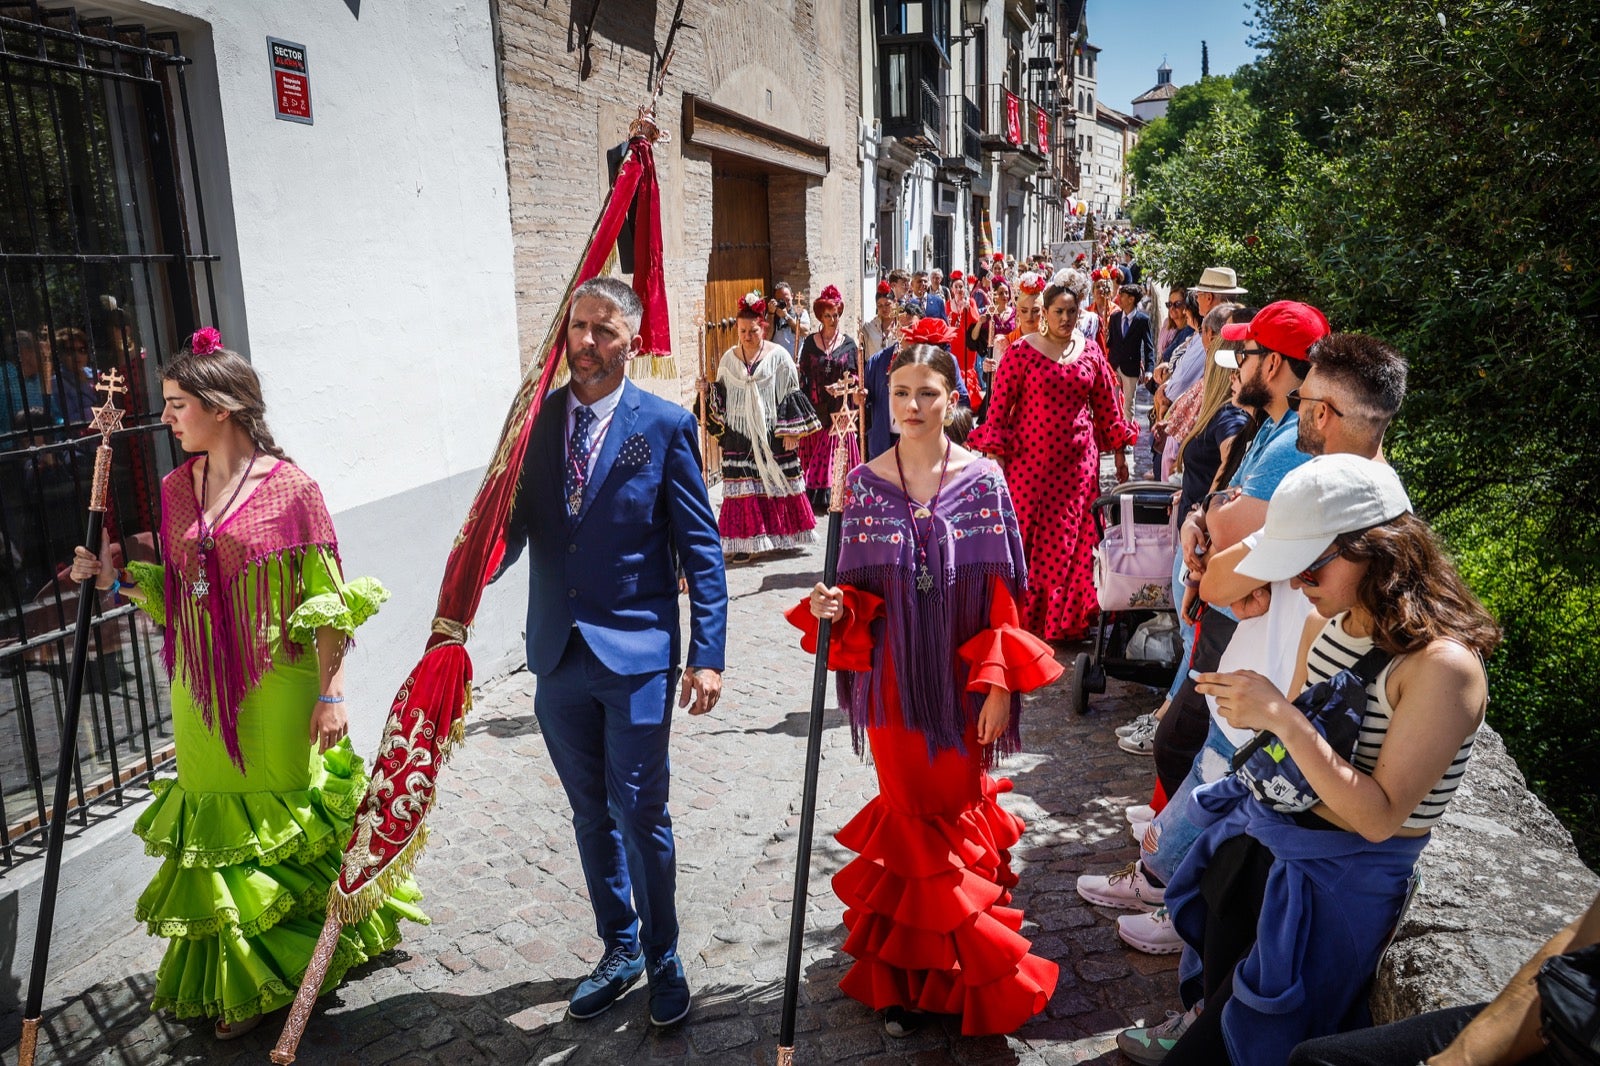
[
  {"x": 844, "y": 425},
  {"x": 107, "y": 419}
]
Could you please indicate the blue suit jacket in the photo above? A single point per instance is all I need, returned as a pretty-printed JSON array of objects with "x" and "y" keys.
[
  {"x": 1131, "y": 351},
  {"x": 613, "y": 570}
]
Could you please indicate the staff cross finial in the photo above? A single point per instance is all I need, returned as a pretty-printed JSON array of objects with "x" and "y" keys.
[
  {"x": 848, "y": 388},
  {"x": 111, "y": 383},
  {"x": 108, "y": 416}
]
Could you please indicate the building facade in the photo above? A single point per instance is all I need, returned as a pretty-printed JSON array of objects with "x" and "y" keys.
[
  {"x": 966, "y": 147},
  {"x": 759, "y": 183},
  {"x": 1152, "y": 103}
]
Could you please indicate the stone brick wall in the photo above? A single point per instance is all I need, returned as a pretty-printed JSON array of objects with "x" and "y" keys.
[{"x": 787, "y": 63}]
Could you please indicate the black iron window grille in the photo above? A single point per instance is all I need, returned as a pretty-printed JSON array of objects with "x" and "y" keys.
[{"x": 104, "y": 262}]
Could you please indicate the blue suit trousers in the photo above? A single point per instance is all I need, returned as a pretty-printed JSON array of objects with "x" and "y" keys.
[{"x": 608, "y": 734}]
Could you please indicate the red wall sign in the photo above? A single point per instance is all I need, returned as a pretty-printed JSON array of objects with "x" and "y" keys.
[
  {"x": 1042, "y": 122},
  {"x": 1013, "y": 119},
  {"x": 291, "y": 80}
]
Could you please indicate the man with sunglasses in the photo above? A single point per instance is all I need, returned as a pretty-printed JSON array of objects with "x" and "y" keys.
[{"x": 1353, "y": 388}]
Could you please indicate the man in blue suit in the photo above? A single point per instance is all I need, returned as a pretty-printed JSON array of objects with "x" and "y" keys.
[
  {"x": 1130, "y": 344},
  {"x": 612, "y": 506}
]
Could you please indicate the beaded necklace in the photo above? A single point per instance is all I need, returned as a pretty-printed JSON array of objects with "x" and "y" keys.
[{"x": 924, "y": 578}]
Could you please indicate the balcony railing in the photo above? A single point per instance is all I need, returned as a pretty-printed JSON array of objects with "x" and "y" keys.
[
  {"x": 1011, "y": 122},
  {"x": 911, "y": 107},
  {"x": 961, "y": 149}
]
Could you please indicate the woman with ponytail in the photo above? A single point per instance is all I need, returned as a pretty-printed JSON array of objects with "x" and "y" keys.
[{"x": 256, "y": 617}]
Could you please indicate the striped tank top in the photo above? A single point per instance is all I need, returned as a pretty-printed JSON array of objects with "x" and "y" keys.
[{"x": 1336, "y": 650}]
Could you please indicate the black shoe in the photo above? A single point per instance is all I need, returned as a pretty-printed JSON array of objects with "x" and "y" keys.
[
  {"x": 899, "y": 1022},
  {"x": 669, "y": 993}
]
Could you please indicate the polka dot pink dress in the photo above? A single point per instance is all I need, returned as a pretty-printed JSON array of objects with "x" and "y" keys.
[{"x": 1048, "y": 422}]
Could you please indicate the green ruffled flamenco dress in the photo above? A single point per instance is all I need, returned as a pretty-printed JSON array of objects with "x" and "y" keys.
[{"x": 249, "y": 855}]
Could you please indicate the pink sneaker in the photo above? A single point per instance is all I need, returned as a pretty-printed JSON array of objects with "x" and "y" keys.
[
  {"x": 1150, "y": 933},
  {"x": 1126, "y": 889}
]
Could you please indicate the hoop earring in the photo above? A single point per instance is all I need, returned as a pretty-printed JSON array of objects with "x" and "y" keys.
[{"x": 1044, "y": 327}]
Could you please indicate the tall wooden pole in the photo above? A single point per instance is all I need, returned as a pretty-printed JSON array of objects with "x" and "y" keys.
[
  {"x": 844, "y": 424},
  {"x": 107, "y": 419}
]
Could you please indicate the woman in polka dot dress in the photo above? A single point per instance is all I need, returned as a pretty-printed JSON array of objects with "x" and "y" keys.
[{"x": 1054, "y": 408}]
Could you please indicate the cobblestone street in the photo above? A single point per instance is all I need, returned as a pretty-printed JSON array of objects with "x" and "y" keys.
[{"x": 512, "y": 931}]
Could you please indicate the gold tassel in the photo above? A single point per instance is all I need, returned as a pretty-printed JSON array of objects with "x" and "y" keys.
[{"x": 356, "y": 907}]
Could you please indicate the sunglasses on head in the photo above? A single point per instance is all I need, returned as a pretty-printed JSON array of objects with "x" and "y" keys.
[{"x": 1305, "y": 577}]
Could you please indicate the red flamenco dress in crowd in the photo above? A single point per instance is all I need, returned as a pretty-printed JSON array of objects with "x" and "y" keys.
[
  {"x": 926, "y": 898},
  {"x": 1048, "y": 422}
]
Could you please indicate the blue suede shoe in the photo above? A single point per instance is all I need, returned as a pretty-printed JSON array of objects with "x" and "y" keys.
[
  {"x": 669, "y": 992},
  {"x": 615, "y": 975}
]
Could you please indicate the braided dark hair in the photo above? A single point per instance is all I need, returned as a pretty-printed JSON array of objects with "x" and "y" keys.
[{"x": 224, "y": 380}]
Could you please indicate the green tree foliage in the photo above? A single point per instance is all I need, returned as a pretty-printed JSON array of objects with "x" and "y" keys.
[
  {"x": 1190, "y": 106},
  {"x": 1430, "y": 173}
]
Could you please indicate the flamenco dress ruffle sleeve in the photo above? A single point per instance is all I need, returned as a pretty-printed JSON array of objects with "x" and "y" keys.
[
  {"x": 248, "y": 855},
  {"x": 926, "y": 898}
]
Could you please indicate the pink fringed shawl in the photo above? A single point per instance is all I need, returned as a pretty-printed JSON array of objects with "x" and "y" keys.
[{"x": 220, "y": 642}]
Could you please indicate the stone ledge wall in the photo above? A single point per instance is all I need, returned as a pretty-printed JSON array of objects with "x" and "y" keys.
[{"x": 1500, "y": 876}]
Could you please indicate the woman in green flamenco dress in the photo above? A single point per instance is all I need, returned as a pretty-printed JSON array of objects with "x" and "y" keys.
[{"x": 256, "y": 617}]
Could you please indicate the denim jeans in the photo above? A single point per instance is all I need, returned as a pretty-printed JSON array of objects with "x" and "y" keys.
[{"x": 1174, "y": 832}]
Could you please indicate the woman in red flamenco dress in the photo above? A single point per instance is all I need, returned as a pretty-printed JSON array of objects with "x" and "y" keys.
[
  {"x": 931, "y": 663},
  {"x": 1054, "y": 407}
]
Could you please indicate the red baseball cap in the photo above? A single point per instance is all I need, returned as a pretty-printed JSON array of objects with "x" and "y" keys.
[{"x": 1285, "y": 327}]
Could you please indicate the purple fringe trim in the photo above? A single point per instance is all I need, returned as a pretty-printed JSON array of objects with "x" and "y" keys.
[
  {"x": 224, "y": 661},
  {"x": 921, "y": 630}
]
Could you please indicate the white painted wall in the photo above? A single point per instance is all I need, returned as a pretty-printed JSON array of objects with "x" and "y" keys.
[{"x": 372, "y": 250}]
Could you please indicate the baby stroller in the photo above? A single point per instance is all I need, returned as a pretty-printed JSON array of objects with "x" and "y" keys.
[{"x": 1136, "y": 636}]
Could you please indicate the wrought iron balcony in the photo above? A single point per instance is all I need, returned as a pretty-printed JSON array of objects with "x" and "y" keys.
[
  {"x": 1011, "y": 123},
  {"x": 911, "y": 107},
  {"x": 962, "y": 150}
]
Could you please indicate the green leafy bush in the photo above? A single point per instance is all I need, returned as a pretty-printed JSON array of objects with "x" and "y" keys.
[{"x": 1430, "y": 173}]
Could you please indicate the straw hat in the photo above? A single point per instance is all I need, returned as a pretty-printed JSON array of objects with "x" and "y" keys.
[{"x": 1220, "y": 280}]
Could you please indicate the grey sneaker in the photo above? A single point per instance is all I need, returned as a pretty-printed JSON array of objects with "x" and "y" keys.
[
  {"x": 1144, "y": 721},
  {"x": 1141, "y": 743},
  {"x": 1149, "y": 1045}
]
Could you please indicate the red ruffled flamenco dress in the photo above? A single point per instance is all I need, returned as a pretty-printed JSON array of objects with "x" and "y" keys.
[{"x": 927, "y": 897}]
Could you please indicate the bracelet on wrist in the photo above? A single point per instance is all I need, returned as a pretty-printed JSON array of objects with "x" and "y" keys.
[{"x": 330, "y": 699}]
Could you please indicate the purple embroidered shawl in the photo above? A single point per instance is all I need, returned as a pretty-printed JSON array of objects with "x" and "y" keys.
[
  {"x": 975, "y": 539},
  {"x": 220, "y": 642}
]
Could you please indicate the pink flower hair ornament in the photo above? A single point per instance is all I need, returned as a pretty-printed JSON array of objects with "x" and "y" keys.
[{"x": 205, "y": 341}]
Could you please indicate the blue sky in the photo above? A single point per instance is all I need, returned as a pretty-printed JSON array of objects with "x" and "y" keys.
[{"x": 1134, "y": 34}]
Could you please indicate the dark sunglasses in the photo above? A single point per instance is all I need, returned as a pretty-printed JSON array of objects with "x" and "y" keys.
[
  {"x": 1305, "y": 575},
  {"x": 1295, "y": 400},
  {"x": 1174, "y": 303}
]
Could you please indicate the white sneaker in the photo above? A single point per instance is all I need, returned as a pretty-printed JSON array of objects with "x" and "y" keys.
[
  {"x": 1139, "y": 723},
  {"x": 1143, "y": 812},
  {"x": 1151, "y": 933},
  {"x": 1149, "y": 1045},
  {"x": 1140, "y": 743},
  {"x": 1126, "y": 889},
  {"x": 1139, "y": 829}
]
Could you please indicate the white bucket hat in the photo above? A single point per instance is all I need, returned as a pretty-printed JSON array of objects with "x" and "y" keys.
[
  {"x": 1219, "y": 280},
  {"x": 1313, "y": 504}
]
